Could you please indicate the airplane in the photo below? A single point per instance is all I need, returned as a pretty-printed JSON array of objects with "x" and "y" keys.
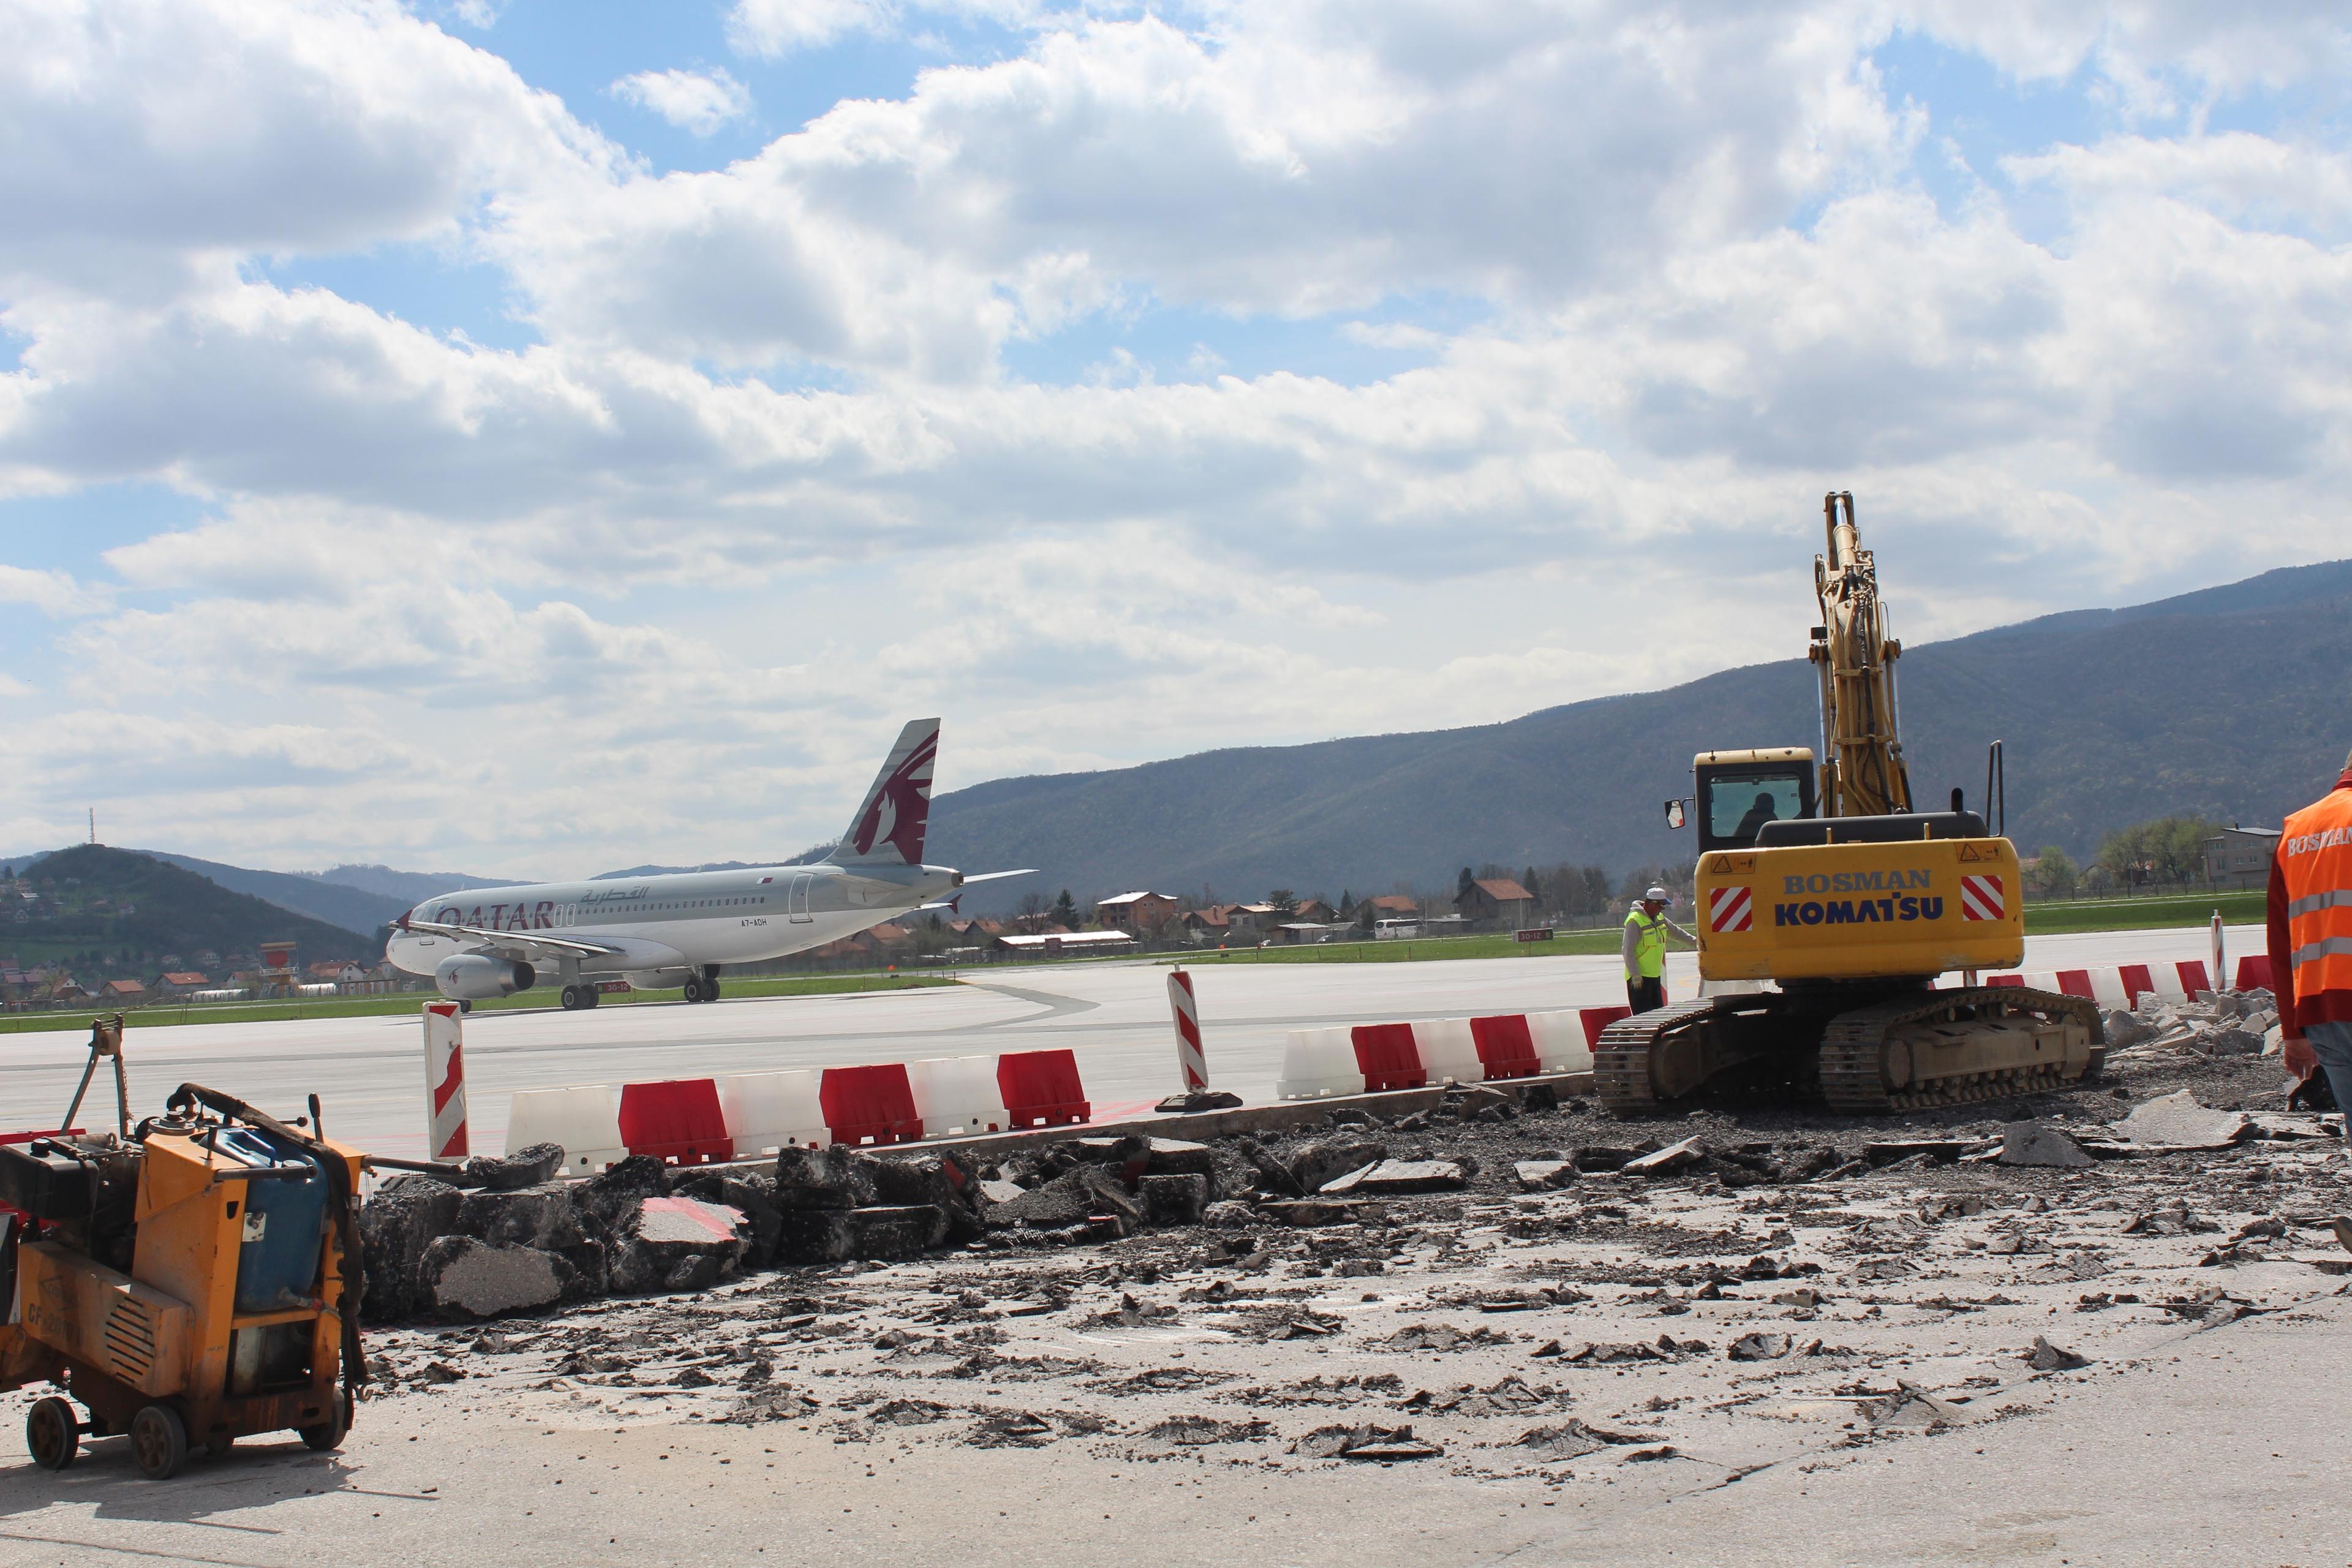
[{"x": 661, "y": 930}]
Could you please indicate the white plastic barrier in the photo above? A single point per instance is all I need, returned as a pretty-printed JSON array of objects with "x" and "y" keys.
[
  {"x": 1319, "y": 1062},
  {"x": 585, "y": 1119},
  {"x": 957, "y": 1095},
  {"x": 2107, "y": 988},
  {"x": 766, "y": 1111},
  {"x": 1559, "y": 1041},
  {"x": 1448, "y": 1051}
]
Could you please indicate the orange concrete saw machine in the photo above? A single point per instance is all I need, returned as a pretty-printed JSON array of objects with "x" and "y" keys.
[{"x": 192, "y": 1281}]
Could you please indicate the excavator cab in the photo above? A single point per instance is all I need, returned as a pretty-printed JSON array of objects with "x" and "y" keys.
[{"x": 1739, "y": 791}]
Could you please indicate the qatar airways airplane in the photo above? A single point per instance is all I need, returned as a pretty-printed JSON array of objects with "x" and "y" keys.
[{"x": 685, "y": 926}]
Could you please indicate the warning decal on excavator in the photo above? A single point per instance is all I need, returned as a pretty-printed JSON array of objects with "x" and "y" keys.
[
  {"x": 1729, "y": 908},
  {"x": 1978, "y": 852},
  {"x": 1981, "y": 898}
]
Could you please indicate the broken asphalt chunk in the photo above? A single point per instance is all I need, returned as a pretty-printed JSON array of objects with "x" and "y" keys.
[
  {"x": 1672, "y": 1157},
  {"x": 2178, "y": 1122},
  {"x": 1396, "y": 1178},
  {"x": 2040, "y": 1144},
  {"x": 1367, "y": 1442},
  {"x": 1543, "y": 1175},
  {"x": 1758, "y": 1347},
  {"x": 2047, "y": 1357},
  {"x": 1572, "y": 1439}
]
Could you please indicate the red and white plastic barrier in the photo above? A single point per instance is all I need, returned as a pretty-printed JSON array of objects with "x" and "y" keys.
[
  {"x": 445, "y": 1082},
  {"x": 1317, "y": 1064},
  {"x": 699, "y": 1121},
  {"x": 585, "y": 1119},
  {"x": 2122, "y": 986}
]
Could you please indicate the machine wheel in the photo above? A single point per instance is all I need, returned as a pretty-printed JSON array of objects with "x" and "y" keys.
[
  {"x": 329, "y": 1435},
  {"x": 465, "y": 1007},
  {"x": 159, "y": 1442},
  {"x": 52, "y": 1434},
  {"x": 693, "y": 988},
  {"x": 710, "y": 991},
  {"x": 573, "y": 1001}
]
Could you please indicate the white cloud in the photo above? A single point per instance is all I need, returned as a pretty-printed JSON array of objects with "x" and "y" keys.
[
  {"x": 774, "y": 27},
  {"x": 51, "y": 592},
  {"x": 696, "y": 101},
  {"x": 156, "y": 141},
  {"x": 1293, "y": 159}
]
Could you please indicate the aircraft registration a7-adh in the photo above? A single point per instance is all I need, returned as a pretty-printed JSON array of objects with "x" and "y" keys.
[{"x": 685, "y": 927}]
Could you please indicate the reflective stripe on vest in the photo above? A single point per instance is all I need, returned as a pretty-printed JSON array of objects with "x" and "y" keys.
[
  {"x": 2315, "y": 866},
  {"x": 1649, "y": 947}
]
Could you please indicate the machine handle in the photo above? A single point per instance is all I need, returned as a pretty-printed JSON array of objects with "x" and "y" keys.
[
  {"x": 454, "y": 1174},
  {"x": 263, "y": 1173}
]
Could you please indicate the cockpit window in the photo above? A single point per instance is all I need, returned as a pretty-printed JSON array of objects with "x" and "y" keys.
[{"x": 1740, "y": 805}]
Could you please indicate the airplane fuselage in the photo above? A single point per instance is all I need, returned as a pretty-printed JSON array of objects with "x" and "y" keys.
[{"x": 663, "y": 927}]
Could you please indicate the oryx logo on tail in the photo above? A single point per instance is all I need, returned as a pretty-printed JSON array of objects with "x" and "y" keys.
[{"x": 890, "y": 826}]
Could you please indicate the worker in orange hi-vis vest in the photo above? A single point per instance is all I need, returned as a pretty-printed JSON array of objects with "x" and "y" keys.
[{"x": 2311, "y": 945}]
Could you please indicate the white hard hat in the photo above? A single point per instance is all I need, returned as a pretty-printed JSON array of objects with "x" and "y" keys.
[{"x": 1657, "y": 895}]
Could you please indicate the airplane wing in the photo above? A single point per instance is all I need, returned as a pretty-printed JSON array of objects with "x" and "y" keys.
[{"x": 524, "y": 945}]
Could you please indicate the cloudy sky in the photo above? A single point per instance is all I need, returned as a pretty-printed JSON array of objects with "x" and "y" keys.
[{"x": 540, "y": 436}]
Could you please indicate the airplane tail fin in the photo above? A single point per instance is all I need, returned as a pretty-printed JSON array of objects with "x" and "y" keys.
[{"x": 888, "y": 827}]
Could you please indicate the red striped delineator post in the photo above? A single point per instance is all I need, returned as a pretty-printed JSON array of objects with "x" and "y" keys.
[
  {"x": 1191, "y": 1060},
  {"x": 445, "y": 1081}
]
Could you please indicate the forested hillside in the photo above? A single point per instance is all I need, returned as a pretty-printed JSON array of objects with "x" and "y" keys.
[{"x": 2228, "y": 703}]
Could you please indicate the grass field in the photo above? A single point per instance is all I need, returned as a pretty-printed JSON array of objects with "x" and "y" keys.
[
  {"x": 1504, "y": 946},
  {"x": 2041, "y": 919},
  {"x": 404, "y": 1005},
  {"x": 2139, "y": 914}
]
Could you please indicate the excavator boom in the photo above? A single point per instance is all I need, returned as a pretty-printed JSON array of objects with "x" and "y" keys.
[{"x": 1862, "y": 747}]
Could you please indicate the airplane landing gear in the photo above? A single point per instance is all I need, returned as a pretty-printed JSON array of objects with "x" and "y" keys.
[
  {"x": 701, "y": 988},
  {"x": 693, "y": 988},
  {"x": 578, "y": 996}
]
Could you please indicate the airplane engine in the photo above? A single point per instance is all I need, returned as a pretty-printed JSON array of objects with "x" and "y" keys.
[{"x": 474, "y": 977}]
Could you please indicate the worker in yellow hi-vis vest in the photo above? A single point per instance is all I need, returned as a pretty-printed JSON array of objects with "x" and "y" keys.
[{"x": 1646, "y": 929}]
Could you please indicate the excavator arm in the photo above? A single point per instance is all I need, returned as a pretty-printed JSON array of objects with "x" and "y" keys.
[{"x": 1861, "y": 770}]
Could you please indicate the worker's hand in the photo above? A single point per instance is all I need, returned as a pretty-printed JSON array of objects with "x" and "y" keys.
[{"x": 2301, "y": 1060}]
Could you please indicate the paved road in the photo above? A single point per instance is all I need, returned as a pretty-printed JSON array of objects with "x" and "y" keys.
[
  {"x": 370, "y": 1071},
  {"x": 2178, "y": 1444}
]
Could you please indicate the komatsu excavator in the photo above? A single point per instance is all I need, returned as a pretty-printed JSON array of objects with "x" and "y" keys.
[{"x": 1830, "y": 910}]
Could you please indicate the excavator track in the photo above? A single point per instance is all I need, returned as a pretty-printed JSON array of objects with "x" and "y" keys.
[
  {"x": 1866, "y": 1069},
  {"x": 1622, "y": 1079},
  {"x": 1917, "y": 1050}
]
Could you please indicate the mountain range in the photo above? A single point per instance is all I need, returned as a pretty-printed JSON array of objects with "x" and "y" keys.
[
  {"x": 2226, "y": 702},
  {"x": 2222, "y": 703}
]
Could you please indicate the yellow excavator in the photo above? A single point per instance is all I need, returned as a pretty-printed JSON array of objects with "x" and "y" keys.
[{"x": 1827, "y": 910}]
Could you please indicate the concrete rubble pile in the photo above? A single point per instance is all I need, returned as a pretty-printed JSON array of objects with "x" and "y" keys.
[
  {"x": 2217, "y": 1024},
  {"x": 1512, "y": 1291},
  {"x": 518, "y": 1241}
]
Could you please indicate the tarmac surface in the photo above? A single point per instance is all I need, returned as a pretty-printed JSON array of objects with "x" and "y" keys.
[
  {"x": 2136, "y": 1362},
  {"x": 369, "y": 1071}
]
